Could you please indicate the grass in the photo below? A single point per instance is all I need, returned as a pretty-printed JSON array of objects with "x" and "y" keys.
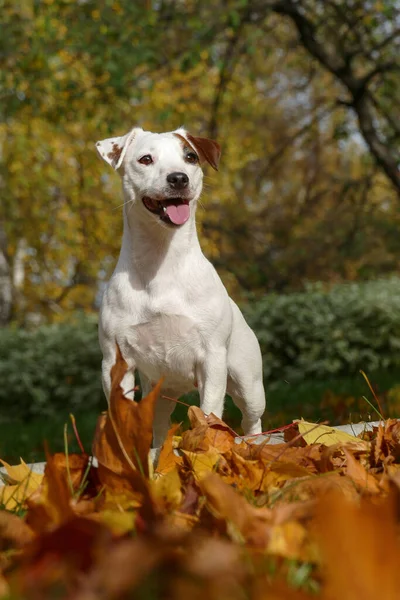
[{"x": 337, "y": 401}]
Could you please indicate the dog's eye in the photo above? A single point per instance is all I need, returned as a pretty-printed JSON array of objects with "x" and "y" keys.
[
  {"x": 192, "y": 157},
  {"x": 145, "y": 160}
]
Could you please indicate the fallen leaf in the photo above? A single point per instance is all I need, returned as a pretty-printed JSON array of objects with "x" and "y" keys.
[
  {"x": 25, "y": 484},
  {"x": 355, "y": 470},
  {"x": 19, "y": 473},
  {"x": 361, "y": 553},
  {"x": 289, "y": 540},
  {"x": 58, "y": 490},
  {"x": 202, "y": 463},
  {"x": 168, "y": 489},
  {"x": 4, "y": 587},
  {"x": 14, "y": 532},
  {"x": 124, "y": 435},
  {"x": 119, "y": 522},
  {"x": 74, "y": 467},
  {"x": 58, "y": 559},
  {"x": 206, "y": 432},
  {"x": 252, "y": 523},
  {"x": 313, "y": 433},
  {"x": 168, "y": 460}
]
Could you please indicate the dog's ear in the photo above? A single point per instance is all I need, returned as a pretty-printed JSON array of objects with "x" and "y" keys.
[
  {"x": 206, "y": 148},
  {"x": 113, "y": 150}
]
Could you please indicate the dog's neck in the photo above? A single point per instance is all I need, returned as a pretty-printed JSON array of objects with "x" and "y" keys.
[{"x": 155, "y": 249}]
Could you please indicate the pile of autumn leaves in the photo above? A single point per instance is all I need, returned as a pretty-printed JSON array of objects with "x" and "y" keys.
[{"x": 216, "y": 519}]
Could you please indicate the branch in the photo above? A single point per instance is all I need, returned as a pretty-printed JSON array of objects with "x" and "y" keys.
[
  {"x": 361, "y": 102},
  {"x": 378, "y": 70}
]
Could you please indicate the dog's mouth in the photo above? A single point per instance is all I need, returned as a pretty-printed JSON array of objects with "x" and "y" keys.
[{"x": 174, "y": 211}]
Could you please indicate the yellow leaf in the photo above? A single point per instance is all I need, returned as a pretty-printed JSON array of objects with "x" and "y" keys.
[
  {"x": 24, "y": 483},
  {"x": 312, "y": 433},
  {"x": 202, "y": 463},
  {"x": 123, "y": 501},
  {"x": 18, "y": 473},
  {"x": 119, "y": 522},
  {"x": 168, "y": 488},
  {"x": 288, "y": 540},
  {"x": 12, "y": 496}
]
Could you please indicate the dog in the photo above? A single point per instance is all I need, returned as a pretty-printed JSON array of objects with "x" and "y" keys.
[{"x": 165, "y": 304}]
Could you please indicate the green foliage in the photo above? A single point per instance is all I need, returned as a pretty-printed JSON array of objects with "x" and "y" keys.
[
  {"x": 50, "y": 369},
  {"x": 321, "y": 334},
  {"x": 313, "y": 336}
]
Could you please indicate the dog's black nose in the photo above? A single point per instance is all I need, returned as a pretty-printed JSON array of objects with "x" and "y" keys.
[{"x": 178, "y": 180}]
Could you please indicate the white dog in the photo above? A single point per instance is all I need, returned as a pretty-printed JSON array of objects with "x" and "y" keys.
[{"x": 165, "y": 305}]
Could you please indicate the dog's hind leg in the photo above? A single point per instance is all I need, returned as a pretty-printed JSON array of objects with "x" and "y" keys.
[
  {"x": 245, "y": 375},
  {"x": 250, "y": 399}
]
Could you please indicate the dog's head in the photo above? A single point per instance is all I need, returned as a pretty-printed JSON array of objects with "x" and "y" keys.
[{"x": 161, "y": 172}]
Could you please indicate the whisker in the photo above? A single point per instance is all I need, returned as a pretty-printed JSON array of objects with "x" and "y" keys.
[{"x": 123, "y": 204}]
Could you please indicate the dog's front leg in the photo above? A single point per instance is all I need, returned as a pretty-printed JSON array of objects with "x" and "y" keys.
[
  {"x": 212, "y": 379},
  {"x": 128, "y": 381}
]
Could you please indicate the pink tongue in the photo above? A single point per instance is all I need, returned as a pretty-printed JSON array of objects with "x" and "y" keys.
[{"x": 178, "y": 214}]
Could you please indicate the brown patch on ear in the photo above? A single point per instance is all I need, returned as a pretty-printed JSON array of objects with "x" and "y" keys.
[
  {"x": 115, "y": 153},
  {"x": 184, "y": 142},
  {"x": 208, "y": 149}
]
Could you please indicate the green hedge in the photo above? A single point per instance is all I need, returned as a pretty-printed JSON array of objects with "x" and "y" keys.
[
  {"x": 311, "y": 335},
  {"x": 323, "y": 334},
  {"x": 52, "y": 368}
]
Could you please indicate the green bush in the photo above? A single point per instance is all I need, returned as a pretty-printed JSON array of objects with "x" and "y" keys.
[
  {"x": 304, "y": 336},
  {"x": 51, "y": 369},
  {"x": 321, "y": 334}
]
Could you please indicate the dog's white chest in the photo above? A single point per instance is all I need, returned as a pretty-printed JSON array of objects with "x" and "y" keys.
[{"x": 167, "y": 346}]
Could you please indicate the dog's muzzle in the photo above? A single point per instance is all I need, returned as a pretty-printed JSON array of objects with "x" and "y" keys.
[{"x": 174, "y": 211}]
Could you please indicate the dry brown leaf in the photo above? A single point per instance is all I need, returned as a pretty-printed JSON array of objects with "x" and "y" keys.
[
  {"x": 311, "y": 488},
  {"x": 58, "y": 559},
  {"x": 252, "y": 523},
  {"x": 283, "y": 512},
  {"x": 211, "y": 568},
  {"x": 361, "y": 553},
  {"x": 255, "y": 475},
  {"x": 207, "y": 432},
  {"x": 219, "y": 434},
  {"x": 307, "y": 457},
  {"x": 124, "y": 435},
  {"x": 168, "y": 460},
  {"x": 290, "y": 540},
  {"x": 4, "y": 587},
  {"x": 73, "y": 466},
  {"x": 14, "y": 532},
  {"x": 125, "y": 565},
  {"x": 113, "y": 470},
  {"x": 53, "y": 506},
  {"x": 358, "y": 473}
]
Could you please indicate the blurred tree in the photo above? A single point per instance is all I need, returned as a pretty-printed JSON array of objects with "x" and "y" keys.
[
  {"x": 358, "y": 41},
  {"x": 299, "y": 196}
]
